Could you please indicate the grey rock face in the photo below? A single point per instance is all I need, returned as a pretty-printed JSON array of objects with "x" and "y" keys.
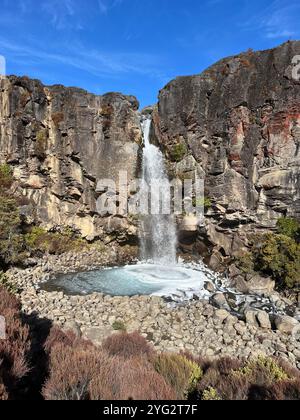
[
  {"x": 60, "y": 142},
  {"x": 240, "y": 122}
]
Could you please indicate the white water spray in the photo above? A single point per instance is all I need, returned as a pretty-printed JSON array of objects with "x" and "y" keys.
[{"x": 158, "y": 237}]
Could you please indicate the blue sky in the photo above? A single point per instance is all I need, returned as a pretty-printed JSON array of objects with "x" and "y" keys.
[{"x": 135, "y": 46}]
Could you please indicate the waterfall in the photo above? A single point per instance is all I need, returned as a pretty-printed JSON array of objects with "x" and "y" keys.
[{"x": 158, "y": 236}]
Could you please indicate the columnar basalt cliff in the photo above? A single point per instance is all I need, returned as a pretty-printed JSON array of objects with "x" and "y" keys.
[
  {"x": 238, "y": 125},
  {"x": 60, "y": 142}
]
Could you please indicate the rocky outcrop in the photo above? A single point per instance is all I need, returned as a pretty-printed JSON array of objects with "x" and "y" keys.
[
  {"x": 238, "y": 124},
  {"x": 61, "y": 142}
]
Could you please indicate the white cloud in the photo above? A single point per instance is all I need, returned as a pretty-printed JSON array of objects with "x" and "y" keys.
[
  {"x": 106, "y": 5},
  {"x": 61, "y": 13},
  {"x": 279, "y": 20},
  {"x": 97, "y": 63}
]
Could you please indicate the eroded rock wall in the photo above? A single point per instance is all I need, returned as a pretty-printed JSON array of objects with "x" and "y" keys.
[
  {"x": 61, "y": 142},
  {"x": 240, "y": 122}
]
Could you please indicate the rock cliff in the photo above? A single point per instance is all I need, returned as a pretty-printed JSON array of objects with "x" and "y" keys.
[
  {"x": 60, "y": 142},
  {"x": 238, "y": 125}
]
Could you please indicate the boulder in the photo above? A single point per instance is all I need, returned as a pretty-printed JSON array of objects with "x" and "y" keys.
[
  {"x": 98, "y": 334},
  {"x": 263, "y": 320},
  {"x": 219, "y": 300},
  {"x": 257, "y": 285},
  {"x": 251, "y": 319},
  {"x": 287, "y": 325},
  {"x": 221, "y": 315}
]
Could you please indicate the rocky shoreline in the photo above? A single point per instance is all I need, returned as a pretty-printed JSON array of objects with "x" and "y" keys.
[{"x": 196, "y": 326}]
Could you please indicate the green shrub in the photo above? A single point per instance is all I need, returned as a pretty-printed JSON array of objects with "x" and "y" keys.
[
  {"x": 205, "y": 202},
  {"x": 178, "y": 152},
  {"x": 274, "y": 255},
  {"x": 289, "y": 227},
  {"x": 211, "y": 394},
  {"x": 119, "y": 326},
  {"x": 11, "y": 242},
  {"x": 39, "y": 240},
  {"x": 182, "y": 374},
  {"x": 41, "y": 144},
  {"x": 279, "y": 257},
  {"x": 6, "y": 177},
  {"x": 8, "y": 285},
  {"x": 245, "y": 262},
  {"x": 263, "y": 371}
]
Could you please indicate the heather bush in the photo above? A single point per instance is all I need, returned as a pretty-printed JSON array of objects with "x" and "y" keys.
[
  {"x": 71, "y": 372},
  {"x": 3, "y": 392},
  {"x": 127, "y": 345},
  {"x": 59, "y": 337},
  {"x": 262, "y": 378},
  {"x": 139, "y": 381},
  {"x": 129, "y": 379},
  {"x": 279, "y": 391},
  {"x": 181, "y": 373},
  {"x": 14, "y": 350}
]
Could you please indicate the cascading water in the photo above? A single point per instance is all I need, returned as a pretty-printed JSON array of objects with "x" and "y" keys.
[
  {"x": 158, "y": 236},
  {"x": 158, "y": 272}
]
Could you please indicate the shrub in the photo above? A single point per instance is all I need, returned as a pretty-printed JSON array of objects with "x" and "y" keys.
[
  {"x": 6, "y": 177},
  {"x": 280, "y": 391},
  {"x": 39, "y": 240},
  {"x": 59, "y": 337},
  {"x": 71, "y": 372},
  {"x": 182, "y": 374},
  {"x": 11, "y": 242},
  {"x": 41, "y": 144},
  {"x": 14, "y": 350},
  {"x": 129, "y": 379},
  {"x": 3, "y": 392},
  {"x": 279, "y": 257},
  {"x": 178, "y": 152},
  {"x": 119, "y": 326},
  {"x": 211, "y": 394},
  {"x": 263, "y": 371},
  {"x": 127, "y": 345},
  {"x": 205, "y": 202},
  {"x": 289, "y": 227},
  {"x": 8, "y": 285},
  {"x": 274, "y": 255}
]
